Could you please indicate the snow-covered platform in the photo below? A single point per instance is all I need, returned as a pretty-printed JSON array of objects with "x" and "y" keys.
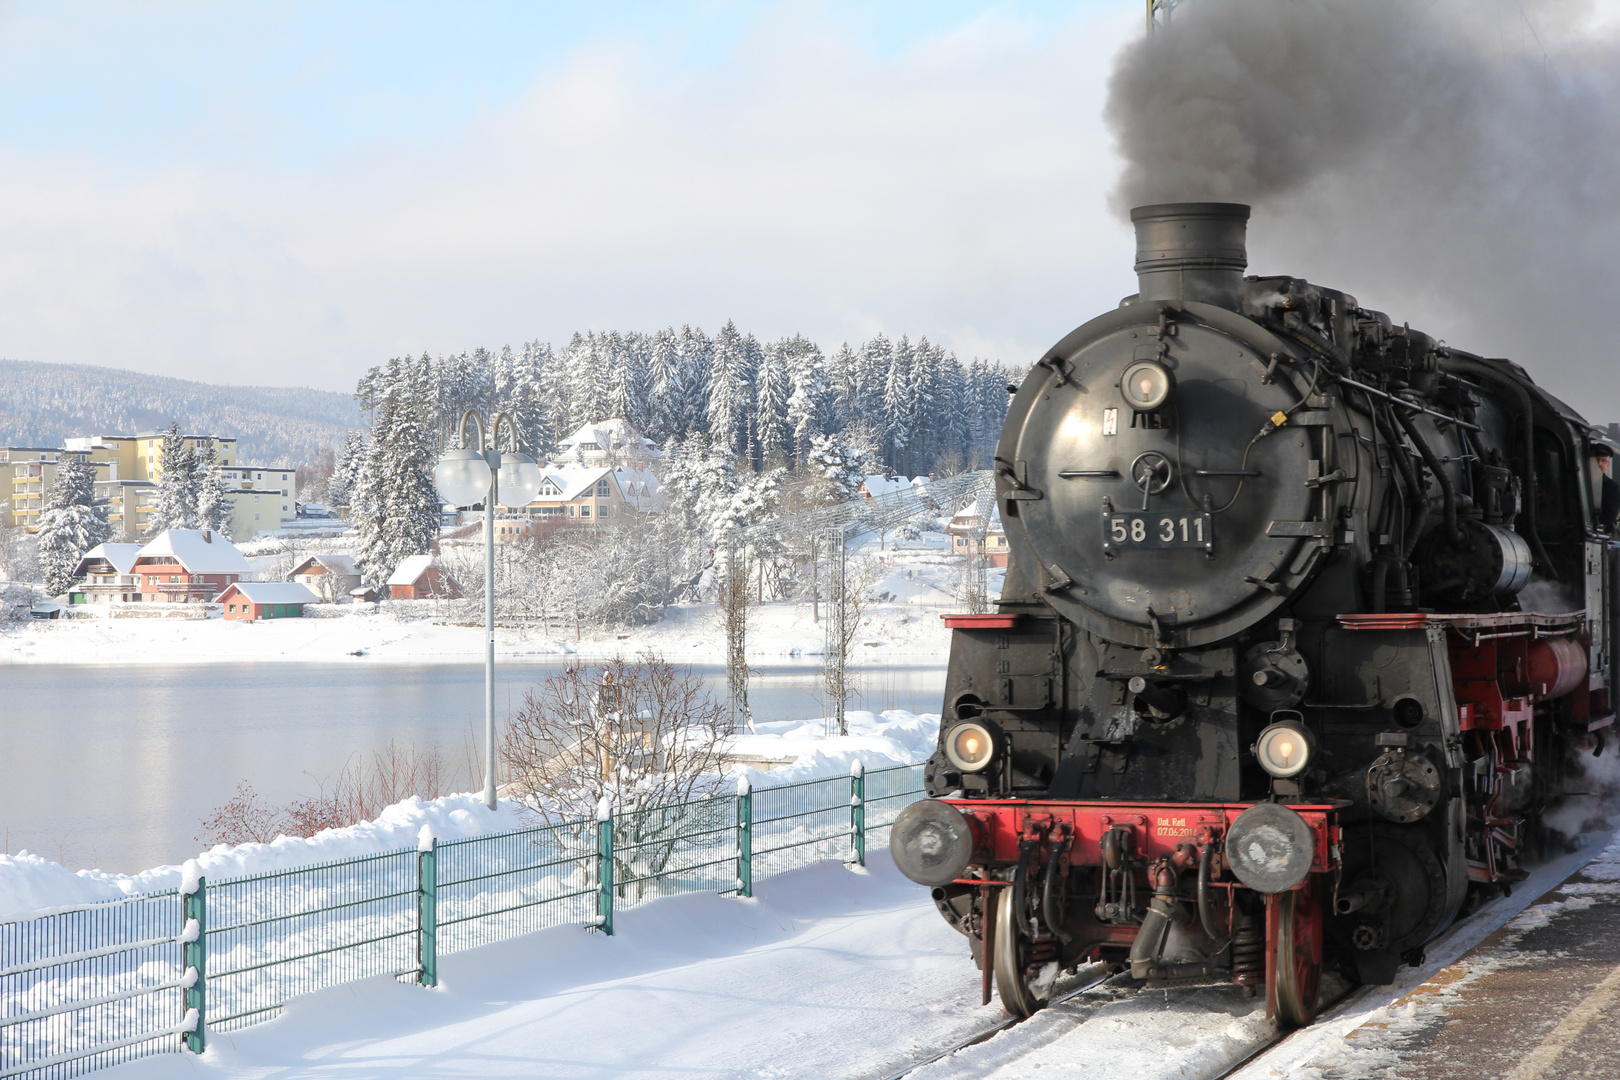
[
  {"x": 827, "y": 972},
  {"x": 1539, "y": 997}
]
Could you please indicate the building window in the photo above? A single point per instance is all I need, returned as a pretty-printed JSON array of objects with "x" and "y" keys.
[
  {"x": 584, "y": 511},
  {"x": 601, "y": 511}
]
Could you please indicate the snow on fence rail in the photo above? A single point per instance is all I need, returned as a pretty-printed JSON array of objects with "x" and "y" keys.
[{"x": 104, "y": 983}]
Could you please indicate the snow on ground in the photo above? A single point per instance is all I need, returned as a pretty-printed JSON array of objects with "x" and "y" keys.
[
  {"x": 827, "y": 972},
  {"x": 1363, "y": 1037},
  {"x": 31, "y": 885},
  {"x": 913, "y": 586}
]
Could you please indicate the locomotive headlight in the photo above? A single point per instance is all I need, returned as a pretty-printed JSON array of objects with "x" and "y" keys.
[
  {"x": 1284, "y": 749},
  {"x": 1146, "y": 386},
  {"x": 970, "y": 746}
]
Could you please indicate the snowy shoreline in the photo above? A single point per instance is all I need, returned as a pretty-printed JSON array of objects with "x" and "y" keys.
[{"x": 691, "y": 634}]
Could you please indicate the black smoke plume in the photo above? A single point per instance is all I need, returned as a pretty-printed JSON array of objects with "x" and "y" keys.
[{"x": 1455, "y": 163}]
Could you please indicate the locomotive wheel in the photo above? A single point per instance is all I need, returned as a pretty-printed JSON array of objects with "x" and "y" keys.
[
  {"x": 1297, "y": 981},
  {"x": 1011, "y": 947}
]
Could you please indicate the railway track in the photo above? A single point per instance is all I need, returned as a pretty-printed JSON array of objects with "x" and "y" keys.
[{"x": 1340, "y": 1002}]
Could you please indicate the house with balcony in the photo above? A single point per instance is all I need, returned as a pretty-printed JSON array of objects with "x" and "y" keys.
[
  {"x": 187, "y": 566},
  {"x": 108, "y": 575},
  {"x": 580, "y": 495},
  {"x": 976, "y": 530}
]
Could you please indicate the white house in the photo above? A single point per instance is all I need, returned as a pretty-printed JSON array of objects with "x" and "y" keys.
[
  {"x": 605, "y": 442},
  {"x": 109, "y": 575}
]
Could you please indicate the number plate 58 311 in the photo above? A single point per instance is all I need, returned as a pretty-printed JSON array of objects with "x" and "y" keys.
[{"x": 1158, "y": 530}]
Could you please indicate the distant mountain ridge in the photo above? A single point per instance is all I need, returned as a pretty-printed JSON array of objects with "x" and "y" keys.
[{"x": 42, "y": 404}]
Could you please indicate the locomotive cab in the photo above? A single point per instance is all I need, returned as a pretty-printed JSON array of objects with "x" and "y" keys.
[{"x": 1266, "y": 688}]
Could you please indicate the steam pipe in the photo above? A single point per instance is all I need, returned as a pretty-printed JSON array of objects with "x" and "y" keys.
[
  {"x": 1379, "y": 586},
  {"x": 1470, "y": 365},
  {"x": 1447, "y": 492},
  {"x": 1414, "y": 491}
]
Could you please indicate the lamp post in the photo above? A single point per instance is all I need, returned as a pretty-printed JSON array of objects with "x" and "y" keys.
[{"x": 467, "y": 475}]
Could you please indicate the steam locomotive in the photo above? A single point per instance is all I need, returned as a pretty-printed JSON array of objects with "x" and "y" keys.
[{"x": 1308, "y": 621}]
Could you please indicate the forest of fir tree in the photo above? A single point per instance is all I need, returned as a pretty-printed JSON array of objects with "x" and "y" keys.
[{"x": 912, "y": 405}]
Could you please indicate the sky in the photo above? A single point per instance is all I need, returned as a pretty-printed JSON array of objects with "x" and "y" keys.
[{"x": 289, "y": 193}]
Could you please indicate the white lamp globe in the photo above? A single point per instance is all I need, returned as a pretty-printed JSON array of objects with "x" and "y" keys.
[
  {"x": 462, "y": 477},
  {"x": 520, "y": 479}
]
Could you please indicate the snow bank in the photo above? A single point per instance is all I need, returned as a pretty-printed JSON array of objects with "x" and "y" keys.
[
  {"x": 31, "y": 886},
  {"x": 878, "y": 741}
]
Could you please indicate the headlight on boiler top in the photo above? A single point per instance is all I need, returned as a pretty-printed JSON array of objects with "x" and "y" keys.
[
  {"x": 1284, "y": 749},
  {"x": 1146, "y": 386},
  {"x": 970, "y": 746}
]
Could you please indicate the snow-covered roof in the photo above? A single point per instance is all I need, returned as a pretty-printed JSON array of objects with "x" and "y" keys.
[
  {"x": 981, "y": 511},
  {"x": 200, "y": 551},
  {"x": 342, "y": 565},
  {"x": 639, "y": 487},
  {"x": 599, "y": 436},
  {"x": 121, "y": 556},
  {"x": 411, "y": 569},
  {"x": 272, "y": 592},
  {"x": 567, "y": 482},
  {"x": 884, "y": 485}
]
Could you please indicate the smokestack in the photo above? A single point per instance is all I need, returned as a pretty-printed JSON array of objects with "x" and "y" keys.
[{"x": 1192, "y": 251}]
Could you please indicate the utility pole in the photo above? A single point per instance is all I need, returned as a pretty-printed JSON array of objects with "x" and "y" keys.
[
  {"x": 1158, "y": 14},
  {"x": 837, "y": 638}
]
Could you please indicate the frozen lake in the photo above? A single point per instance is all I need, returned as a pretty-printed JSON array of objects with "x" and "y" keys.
[{"x": 114, "y": 766}]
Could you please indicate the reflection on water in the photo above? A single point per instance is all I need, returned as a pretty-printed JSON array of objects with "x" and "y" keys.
[{"x": 114, "y": 767}]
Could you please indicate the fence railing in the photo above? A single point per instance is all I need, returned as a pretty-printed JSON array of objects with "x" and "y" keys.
[{"x": 100, "y": 984}]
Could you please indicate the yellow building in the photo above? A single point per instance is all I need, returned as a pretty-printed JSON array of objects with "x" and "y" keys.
[{"x": 128, "y": 468}]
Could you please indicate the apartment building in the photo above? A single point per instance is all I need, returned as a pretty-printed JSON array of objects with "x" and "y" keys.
[{"x": 128, "y": 468}]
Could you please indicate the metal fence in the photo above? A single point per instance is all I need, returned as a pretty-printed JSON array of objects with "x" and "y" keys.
[{"x": 104, "y": 983}]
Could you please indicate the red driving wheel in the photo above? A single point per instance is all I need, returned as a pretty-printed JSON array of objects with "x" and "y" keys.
[{"x": 1293, "y": 956}]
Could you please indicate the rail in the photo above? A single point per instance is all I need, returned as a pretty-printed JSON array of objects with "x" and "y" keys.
[{"x": 99, "y": 984}]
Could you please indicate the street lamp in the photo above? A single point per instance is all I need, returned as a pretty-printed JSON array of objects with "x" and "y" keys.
[{"x": 467, "y": 475}]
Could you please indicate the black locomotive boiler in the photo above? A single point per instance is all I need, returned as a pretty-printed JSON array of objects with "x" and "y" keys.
[{"x": 1308, "y": 619}]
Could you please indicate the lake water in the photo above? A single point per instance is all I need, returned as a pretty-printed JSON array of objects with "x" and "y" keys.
[{"x": 116, "y": 766}]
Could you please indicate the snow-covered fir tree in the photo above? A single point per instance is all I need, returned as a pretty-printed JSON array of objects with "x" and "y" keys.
[
  {"x": 213, "y": 505},
  {"x": 809, "y": 396},
  {"x": 837, "y": 468},
  {"x": 70, "y": 524},
  {"x": 394, "y": 504},
  {"x": 340, "y": 487},
  {"x": 176, "y": 504},
  {"x": 772, "y": 388},
  {"x": 912, "y": 402}
]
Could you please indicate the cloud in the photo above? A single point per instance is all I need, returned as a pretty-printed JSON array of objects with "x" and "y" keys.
[
  {"x": 800, "y": 183},
  {"x": 1440, "y": 162}
]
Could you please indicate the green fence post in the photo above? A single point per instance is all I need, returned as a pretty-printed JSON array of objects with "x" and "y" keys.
[
  {"x": 604, "y": 864},
  {"x": 427, "y": 907},
  {"x": 857, "y": 809},
  {"x": 745, "y": 837},
  {"x": 194, "y": 954}
]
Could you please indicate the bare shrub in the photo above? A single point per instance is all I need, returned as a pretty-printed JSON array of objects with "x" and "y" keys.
[
  {"x": 244, "y": 819},
  {"x": 640, "y": 732},
  {"x": 360, "y": 792}
]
